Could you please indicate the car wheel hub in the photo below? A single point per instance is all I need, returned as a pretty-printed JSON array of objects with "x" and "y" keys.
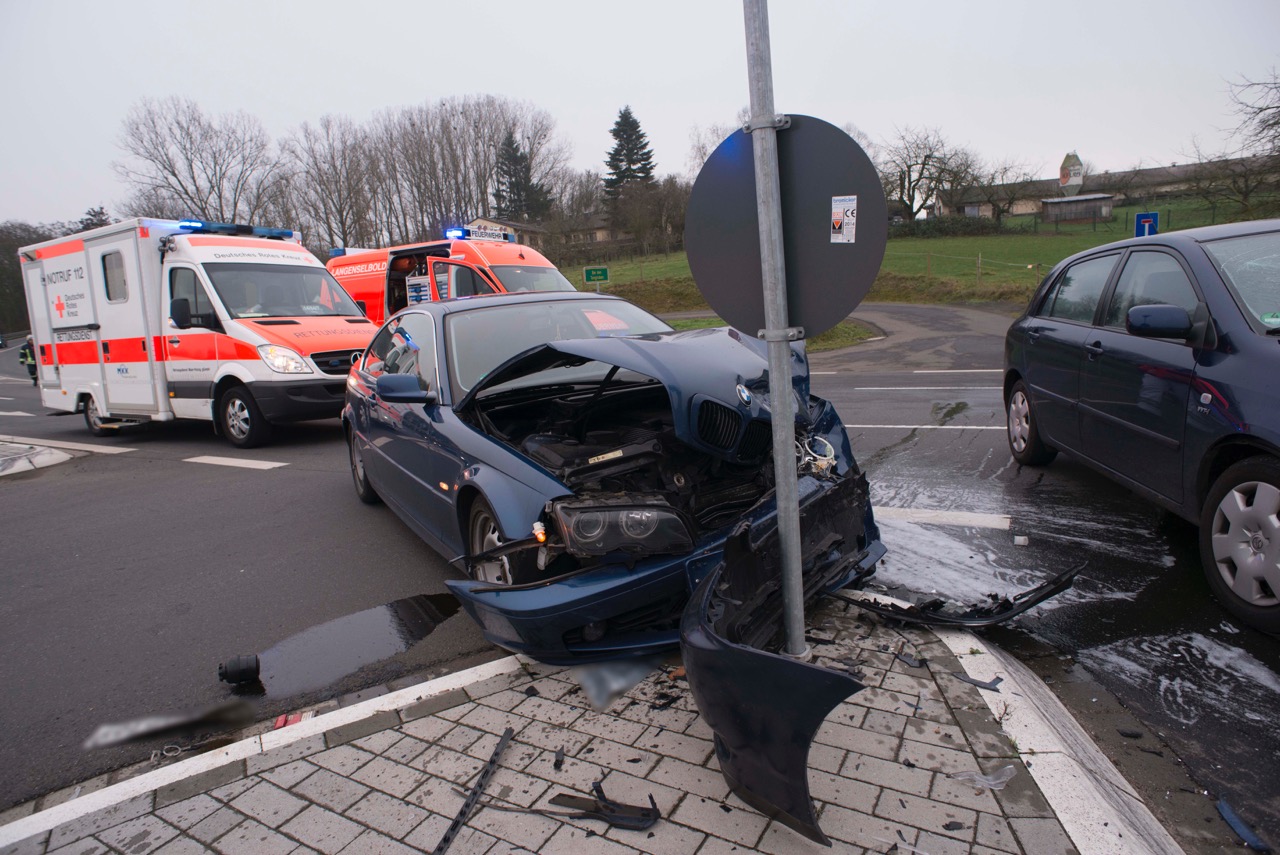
[
  {"x": 1244, "y": 538},
  {"x": 1019, "y": 421},
  {"x": 238, "y": 419}
]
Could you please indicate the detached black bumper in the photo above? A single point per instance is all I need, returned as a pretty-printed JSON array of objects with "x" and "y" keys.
[
  {"x": 300, "y": 400},
  {"x": 764, "y": 708}
]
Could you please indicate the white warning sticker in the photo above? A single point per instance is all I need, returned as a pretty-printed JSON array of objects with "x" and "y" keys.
[{"x": 844, "y": 218}]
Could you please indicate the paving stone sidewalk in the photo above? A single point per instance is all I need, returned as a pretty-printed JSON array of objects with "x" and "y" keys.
[{"x": 390, "y": 782}]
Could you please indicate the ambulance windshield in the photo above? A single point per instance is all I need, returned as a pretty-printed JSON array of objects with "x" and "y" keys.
[
  {"x": 278, "y": 291},
  {"x": 522, "y": 278}
]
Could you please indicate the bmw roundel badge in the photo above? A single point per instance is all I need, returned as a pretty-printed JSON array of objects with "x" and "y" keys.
[{"x": 744, "y": 394}]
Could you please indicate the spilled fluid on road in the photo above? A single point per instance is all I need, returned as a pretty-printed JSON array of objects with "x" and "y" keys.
[{"x": 321, "y": 655}]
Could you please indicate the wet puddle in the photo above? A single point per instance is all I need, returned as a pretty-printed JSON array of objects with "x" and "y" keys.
[{"x": 321, "y": 655}]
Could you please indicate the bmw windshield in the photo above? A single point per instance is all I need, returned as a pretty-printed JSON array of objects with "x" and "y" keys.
[{"x": 481, "y": 339}]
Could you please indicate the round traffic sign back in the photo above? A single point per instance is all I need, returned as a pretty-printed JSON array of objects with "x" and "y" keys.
[{"x": 834, "y": 226}]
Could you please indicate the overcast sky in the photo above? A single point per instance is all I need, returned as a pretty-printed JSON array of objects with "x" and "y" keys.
[{"x": 1119, "y": 82}]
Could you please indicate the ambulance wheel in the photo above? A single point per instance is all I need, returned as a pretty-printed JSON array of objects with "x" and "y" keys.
[
  {"x": 93, "y": 419},
  {"x": 242, "y": 421}
]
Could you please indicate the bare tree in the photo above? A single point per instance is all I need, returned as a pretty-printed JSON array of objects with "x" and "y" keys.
[
  {"x": 955, "y": 175},
  {"x": 1236, "y": 179},
  {"x": 183, "y": 162},
  {"x": 912, "y": 168},
  {"x": 329, "y": 163},
  {"x": 1257, "y": 103},
  {"x": 1002, "y": 184}
]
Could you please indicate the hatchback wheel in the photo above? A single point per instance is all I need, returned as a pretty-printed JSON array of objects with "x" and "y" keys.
[
  {"x": 1240, "y": 542},
  {"x": 1024, "y": 436}
]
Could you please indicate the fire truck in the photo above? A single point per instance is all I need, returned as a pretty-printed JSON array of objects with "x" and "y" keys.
[{"x": 466, "y": 263}]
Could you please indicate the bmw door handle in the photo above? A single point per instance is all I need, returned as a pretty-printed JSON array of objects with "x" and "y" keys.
[
  {"x": 1093, "y": 349},
  {"x": 1033, "y": 333}
]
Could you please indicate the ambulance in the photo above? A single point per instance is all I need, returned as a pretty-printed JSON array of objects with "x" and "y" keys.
[
  {"x": 153, "y": 320},
  {"x": 466, "y": 263}
]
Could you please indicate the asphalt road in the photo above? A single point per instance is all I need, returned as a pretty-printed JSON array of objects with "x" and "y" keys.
[{"x": 127, "y": 578}]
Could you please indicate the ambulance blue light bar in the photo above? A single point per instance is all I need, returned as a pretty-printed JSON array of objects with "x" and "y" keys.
[
  {"x": 480, "y": 234},
  {"x": 204, "y": 228}
]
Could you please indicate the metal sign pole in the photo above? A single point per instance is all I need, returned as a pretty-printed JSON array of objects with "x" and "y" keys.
[{"x": 764, "y": 140}]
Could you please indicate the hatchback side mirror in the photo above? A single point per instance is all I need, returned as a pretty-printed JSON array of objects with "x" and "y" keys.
[{"x": 1159, "y": 321}]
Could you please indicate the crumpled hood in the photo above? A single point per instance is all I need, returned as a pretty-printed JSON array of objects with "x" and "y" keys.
[{"x": 709, "y": 363}]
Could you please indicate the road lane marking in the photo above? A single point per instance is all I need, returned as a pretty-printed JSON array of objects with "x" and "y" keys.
[
  {"x": 925, "y": 388},
  {"x": 74, "y": 446},
  {"x": 964, "y": 518},
  {"x": 931, "y": 427},
  {"x": 235, "y": 461},
  {"x": 14, "y": 413},
  {"x": 957, "y": 371}
]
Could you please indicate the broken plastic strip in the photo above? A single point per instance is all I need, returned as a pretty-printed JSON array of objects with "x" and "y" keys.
[
  {"x": 995, "y": 781},
  {"x": 992, "y": 685},
  {"x": 975, "y": 616},
  {"x": 1242, "y": 831},
  {"x": 616, "y": 814},
  {"x": 473, "y": 797}
]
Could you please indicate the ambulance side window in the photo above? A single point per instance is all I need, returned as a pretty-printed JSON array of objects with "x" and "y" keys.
[
  {"x": 183, "y": 285},
  {"x": 113, "y": 276}
]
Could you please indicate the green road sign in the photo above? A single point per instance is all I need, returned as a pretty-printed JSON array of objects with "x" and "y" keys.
[{"x": 598, "y": 275}]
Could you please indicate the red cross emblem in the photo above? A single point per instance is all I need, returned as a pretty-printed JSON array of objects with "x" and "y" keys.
[{"x": 59, "y": 305}]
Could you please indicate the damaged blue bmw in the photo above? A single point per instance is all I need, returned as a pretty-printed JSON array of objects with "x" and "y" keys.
[{"x": 584, "y": 465}]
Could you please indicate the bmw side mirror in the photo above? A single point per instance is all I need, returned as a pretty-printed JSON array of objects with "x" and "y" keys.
[
  {"x": 404, "y": 389},
  {"x": 1159, "y": 321}
]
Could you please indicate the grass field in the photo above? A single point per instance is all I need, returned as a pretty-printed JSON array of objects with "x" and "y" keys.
[
  {"x": 844, "y": 334},
  {"x": 929, "y": 270}
]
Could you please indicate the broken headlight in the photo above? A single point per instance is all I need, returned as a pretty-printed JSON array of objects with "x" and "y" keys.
[{"x": 624, "y": 524}]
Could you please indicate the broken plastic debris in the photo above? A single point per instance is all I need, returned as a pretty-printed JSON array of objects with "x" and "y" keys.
[
  {"x": 1020, "y": 540},
  {"x": 910, "y": 661},
  {"x": 1243, "y": 831},
  {"x": 990, "y": 686},
  {"x": 995, "y": 781}
]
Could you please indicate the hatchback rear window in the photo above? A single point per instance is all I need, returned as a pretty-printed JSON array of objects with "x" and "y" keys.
[{"x": 1074, "y": 297}]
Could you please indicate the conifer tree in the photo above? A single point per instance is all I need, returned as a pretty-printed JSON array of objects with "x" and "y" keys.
[{"x": 630, "y": 160}]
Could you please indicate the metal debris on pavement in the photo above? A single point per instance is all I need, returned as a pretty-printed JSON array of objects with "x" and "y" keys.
[{"x": 473, "y": 797}]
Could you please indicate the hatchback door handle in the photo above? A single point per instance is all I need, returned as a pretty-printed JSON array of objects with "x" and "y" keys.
[
  {"x": 1033, "y": 333},
  {"x": 1094, "y": 348}
]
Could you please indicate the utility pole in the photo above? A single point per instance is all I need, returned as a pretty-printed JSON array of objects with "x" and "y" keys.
[{"x": 763, "y": 127}]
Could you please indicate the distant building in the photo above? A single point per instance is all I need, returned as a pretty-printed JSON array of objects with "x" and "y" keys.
[
  {"x": 1084, "y": 207},
  {"x": 1124, "y": 187}
]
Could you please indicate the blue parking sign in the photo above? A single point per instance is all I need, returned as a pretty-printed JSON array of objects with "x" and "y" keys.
[{"x": 1146, "y": 224}]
